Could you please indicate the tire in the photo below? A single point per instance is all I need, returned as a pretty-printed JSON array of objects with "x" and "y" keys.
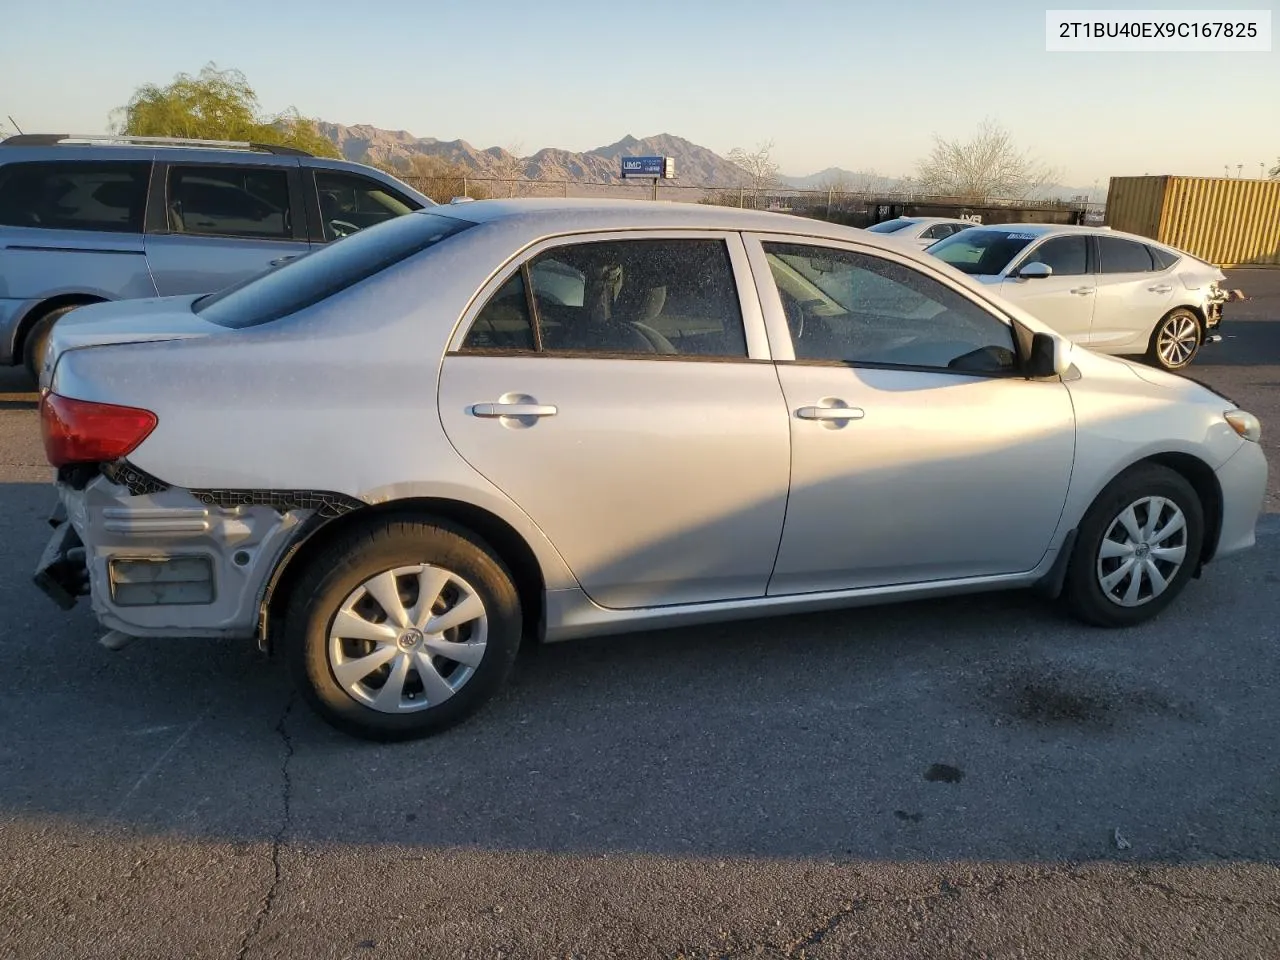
[
  {"x": 1084, "y": 594},
  {"x": 316, "y": 648},
  {"x": 37, "y": 338},
  {"x": 1176, "y": 340}
]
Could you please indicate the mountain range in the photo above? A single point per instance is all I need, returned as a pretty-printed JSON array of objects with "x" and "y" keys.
[{"x": 695, "y": 165}]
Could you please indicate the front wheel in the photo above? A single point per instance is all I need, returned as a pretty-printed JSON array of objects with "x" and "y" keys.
[
  {"x": 402, "y": 629},
  {"x": 1176, "y": 340},
  {"x": 1135, "y": 549}
]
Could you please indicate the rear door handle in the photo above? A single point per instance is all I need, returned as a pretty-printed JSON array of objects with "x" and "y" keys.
[
  {"x": 830, "y": 413},
  {"x": 279, "y": 260},
  {"x": 1082, "y": 291},
  {"x": 492, "y": 410},
  {"x": 1160, "y": 289}
]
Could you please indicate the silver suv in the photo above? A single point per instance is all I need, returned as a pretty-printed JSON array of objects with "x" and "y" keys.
[{"x": 88, "y": 219}]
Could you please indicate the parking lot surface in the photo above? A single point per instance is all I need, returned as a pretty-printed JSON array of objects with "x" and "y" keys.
[{"x": 972, "y": 777}]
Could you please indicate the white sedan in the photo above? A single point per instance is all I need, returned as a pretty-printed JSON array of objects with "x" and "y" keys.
[
  {"x": 921, "y": 231},
  {"x": 1113, "y": 292}
]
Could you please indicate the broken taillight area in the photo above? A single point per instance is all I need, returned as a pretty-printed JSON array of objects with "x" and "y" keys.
[{"x": 84, "y": 431}]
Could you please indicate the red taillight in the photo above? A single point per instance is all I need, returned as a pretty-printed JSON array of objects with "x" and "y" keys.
[{"x": 81, "y": 431}]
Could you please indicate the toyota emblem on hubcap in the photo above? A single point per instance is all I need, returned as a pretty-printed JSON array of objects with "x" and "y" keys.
[{"x": 410, "y": 639}]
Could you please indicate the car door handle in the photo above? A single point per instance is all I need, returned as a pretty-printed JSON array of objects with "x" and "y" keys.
[
  {"x": 830, "y": 413},
  {"x": 279, "y": 260},
  {"x": 491, "y": 410},
  {"x": 1082, "y": 291},
  {"x": 1162, "y": 288}
]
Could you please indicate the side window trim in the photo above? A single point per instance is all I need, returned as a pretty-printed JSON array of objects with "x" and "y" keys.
[
  {"x": 157, "y": 219},
  {"x": 745, "y": 283},
  {"x": 775, "y": 317}
]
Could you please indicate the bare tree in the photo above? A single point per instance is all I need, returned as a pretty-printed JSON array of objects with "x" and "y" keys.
[
  {"x": 759, "y": 166},
  {"x": 986, "y": 166},
  {"x": 1274, "y": 172}
]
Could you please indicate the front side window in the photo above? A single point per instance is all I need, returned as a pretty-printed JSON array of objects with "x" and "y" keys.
[
  {"x": 981, "y": 252},
  {"x": 629, "y": 297},
  {"x": 227, "y": 201},
  {"x": 1067, "y": 256},
  {"x": 350, "y": 202},
  {"x": 854, "y": 308},
  {"x": 1116, "y": 255},
  {"x": 75, "y": 195}
]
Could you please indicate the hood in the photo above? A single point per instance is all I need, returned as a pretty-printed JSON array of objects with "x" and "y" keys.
[{"x": 124, "y": 321}]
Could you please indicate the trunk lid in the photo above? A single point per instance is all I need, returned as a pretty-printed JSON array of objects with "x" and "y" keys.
[{"x": 124, "y": 321}]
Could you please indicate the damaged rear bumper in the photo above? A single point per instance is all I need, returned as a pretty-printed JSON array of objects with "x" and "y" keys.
[
  {"x": 164, "y": 563},
  {"x": 62, "y": 573}
]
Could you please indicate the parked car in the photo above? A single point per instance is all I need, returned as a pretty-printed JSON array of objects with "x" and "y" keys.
[
  {"x": 920, "y": 231},
  {"x": 1113, "y": 292},
  {"x": 394, "y": 458},
  {"x": 87, "y": 219}
]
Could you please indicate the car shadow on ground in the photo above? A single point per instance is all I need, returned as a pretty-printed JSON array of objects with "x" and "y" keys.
[{"x": 981, "y": 728}]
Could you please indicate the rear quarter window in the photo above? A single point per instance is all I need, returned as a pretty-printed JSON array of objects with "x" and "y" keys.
[
  {"x": 106, "y": 196},
  {"x": 325, "y": 271}
]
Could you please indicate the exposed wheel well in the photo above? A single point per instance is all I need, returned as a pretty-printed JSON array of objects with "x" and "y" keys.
[
  {"x": 1205, "y": 483},
  {"x": 496, "y": 532},
  {"x": 43, "y": 309}
]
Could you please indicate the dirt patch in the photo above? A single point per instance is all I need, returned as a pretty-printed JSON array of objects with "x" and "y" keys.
[{"x": 1053, "y": 696}]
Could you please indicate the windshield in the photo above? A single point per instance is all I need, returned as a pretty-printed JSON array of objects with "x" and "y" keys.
[
  {"x": 976, "y": 252},
  {"x": 324, "y": 272},
  {"x": 889, "y": 226}
]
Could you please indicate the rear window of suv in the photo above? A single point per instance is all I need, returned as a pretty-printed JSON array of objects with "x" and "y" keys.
[{"x": 325, "y": 271}]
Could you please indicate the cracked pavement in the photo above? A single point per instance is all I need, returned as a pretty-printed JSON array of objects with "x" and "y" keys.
[{"x": 938, "y": 780}]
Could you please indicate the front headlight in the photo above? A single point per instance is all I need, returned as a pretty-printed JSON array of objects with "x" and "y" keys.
[{"x": 1245, "y": 424}]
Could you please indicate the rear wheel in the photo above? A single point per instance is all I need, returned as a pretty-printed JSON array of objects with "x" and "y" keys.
[
  {"x": 1136, "y": 548},
  {"x": 402, "y": 629},
  {"x": 37, "y": 339},
  {"x": 1176, "y": 340}
]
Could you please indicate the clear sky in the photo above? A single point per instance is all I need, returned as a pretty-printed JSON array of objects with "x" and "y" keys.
[{"x": 861, "y": 84}]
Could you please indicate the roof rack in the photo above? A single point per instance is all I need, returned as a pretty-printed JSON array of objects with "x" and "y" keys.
[{"x": 53, "y": 139}]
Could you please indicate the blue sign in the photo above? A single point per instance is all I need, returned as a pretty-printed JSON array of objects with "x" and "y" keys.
[{"x": 658, "y": 167}]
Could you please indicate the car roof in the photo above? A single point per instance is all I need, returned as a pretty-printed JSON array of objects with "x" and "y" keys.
[{"x": 559, "y": 215}]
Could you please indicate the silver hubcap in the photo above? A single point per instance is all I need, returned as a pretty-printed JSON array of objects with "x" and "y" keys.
[
  {"x": 1142, "y": 551},
  {"x": 1178, "y": 340},
  {"x": 408, "y": 639}
]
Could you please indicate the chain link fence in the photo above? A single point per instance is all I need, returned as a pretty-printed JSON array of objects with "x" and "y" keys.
[{"x": 856, "y": 208}]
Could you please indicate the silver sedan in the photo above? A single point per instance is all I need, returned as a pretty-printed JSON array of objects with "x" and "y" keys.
[
  {"x": 1114, "y": 292},
  {"x": 394, "y": 459}
]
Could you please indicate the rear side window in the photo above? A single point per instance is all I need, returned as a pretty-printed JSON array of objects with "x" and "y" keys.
[
  {"x": 1123, "y": 256},
  {"x": 75, "y": 195},
  {"x": 225, "y": 201},
  {"x": 325, "y": 271}
]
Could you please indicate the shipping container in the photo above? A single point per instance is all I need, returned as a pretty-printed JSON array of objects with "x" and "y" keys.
[{"x": 1230, "y": 223}]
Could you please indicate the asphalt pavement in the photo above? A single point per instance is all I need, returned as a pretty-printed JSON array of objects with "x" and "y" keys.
[{"x": 976, "y": 777}]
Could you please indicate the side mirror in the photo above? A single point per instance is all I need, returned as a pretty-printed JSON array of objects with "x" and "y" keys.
[
  {"x": 1035, "y": 271},
  {"x": 1045, "y": 358}
]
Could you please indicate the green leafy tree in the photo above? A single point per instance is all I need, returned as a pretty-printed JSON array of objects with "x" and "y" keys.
[{"x": 216, "y": 105}]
